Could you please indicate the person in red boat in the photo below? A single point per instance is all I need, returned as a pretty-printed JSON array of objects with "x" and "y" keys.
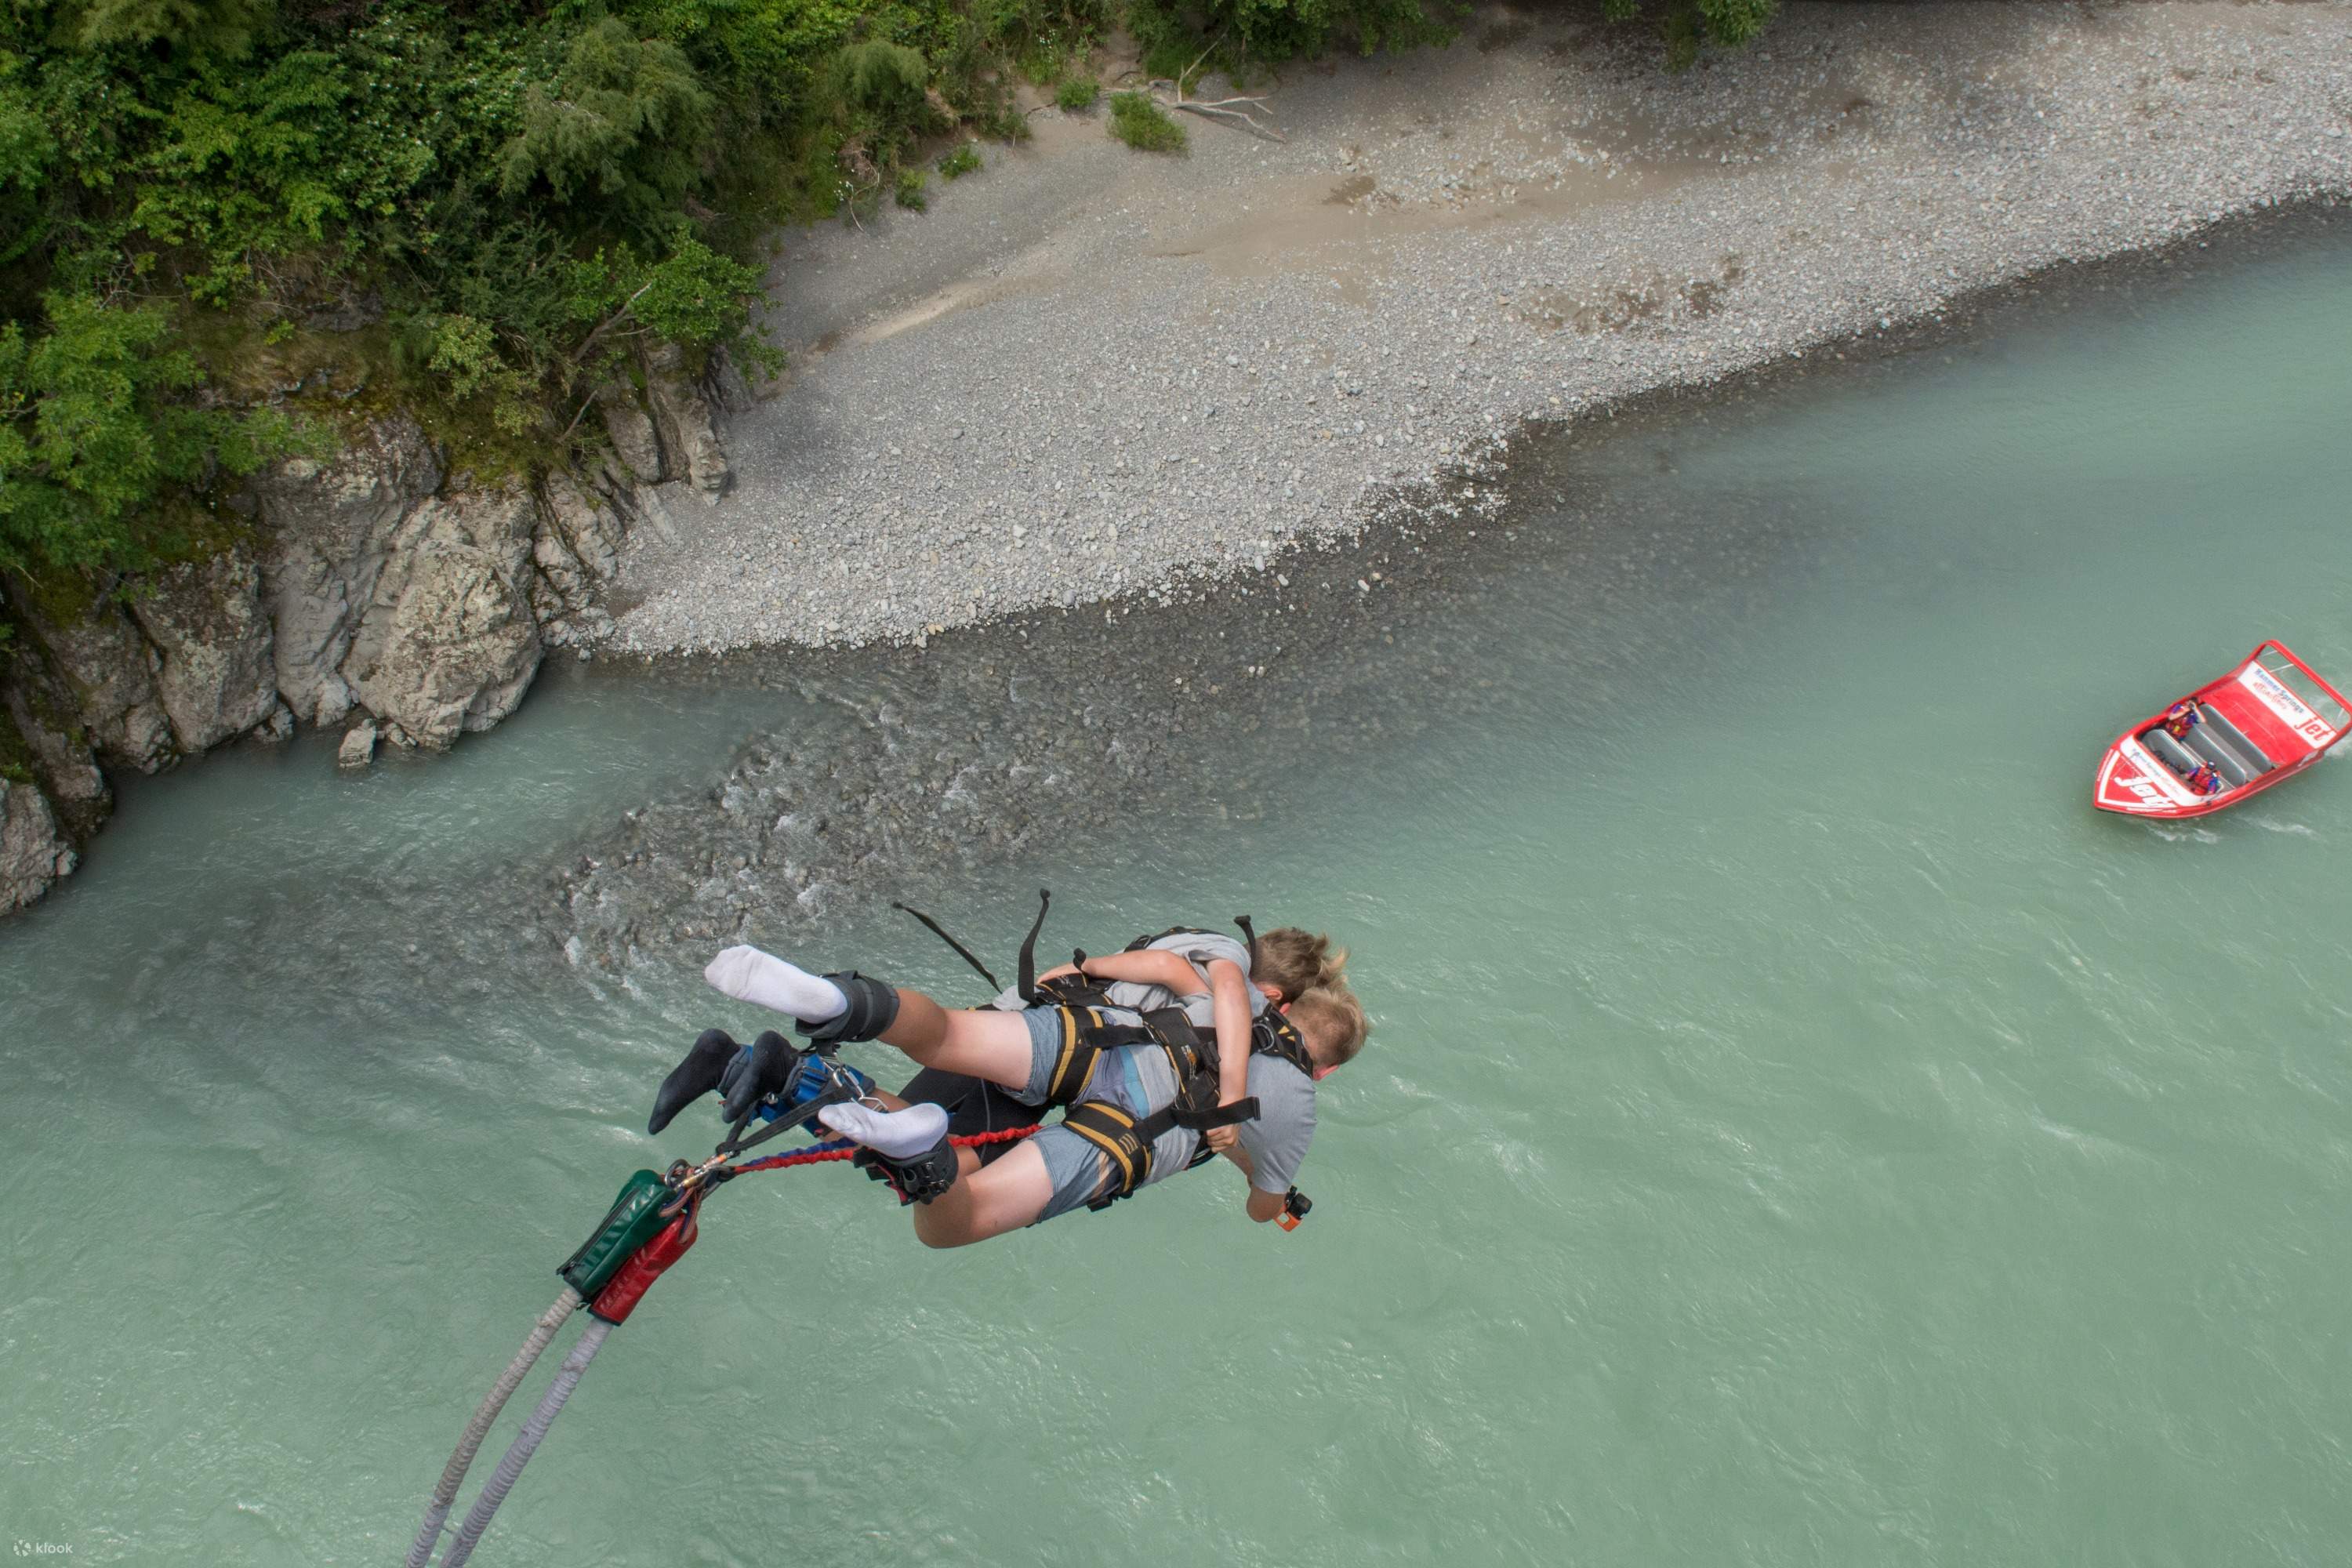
[
  {"x": 2204, "y": 779},
  {"x": 2181, "y": 718}
]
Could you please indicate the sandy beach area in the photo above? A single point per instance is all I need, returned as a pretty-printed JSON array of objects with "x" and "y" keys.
[{"x": 1089, "y": 373}]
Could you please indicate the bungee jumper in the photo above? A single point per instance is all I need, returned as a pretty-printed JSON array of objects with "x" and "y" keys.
[
  {"x": 1159, "y": 1057},
  {"x": 1183, "y": 1047}
]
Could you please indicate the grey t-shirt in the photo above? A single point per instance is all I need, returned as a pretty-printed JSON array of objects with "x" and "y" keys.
[
  {"x": 1276, "y": 1141},
  {"x": 1139, "y": 1079},
  {"x": 1197, "y": 949}
]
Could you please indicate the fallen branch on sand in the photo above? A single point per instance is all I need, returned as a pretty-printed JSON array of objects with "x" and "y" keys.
[
  {"x": 1216, "y": 109},
  {"x": 1219, "y": 108}
]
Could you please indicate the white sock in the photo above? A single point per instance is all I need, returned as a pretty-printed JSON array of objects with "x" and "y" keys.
[
  {"x": 901, "y": 1134},
  {"x": 750, "y": 975}
]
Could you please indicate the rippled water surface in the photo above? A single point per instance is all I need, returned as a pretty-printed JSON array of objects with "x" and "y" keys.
[{"x": 1799, "y": 1129}]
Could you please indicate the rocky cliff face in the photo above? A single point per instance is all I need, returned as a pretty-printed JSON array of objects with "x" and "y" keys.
[{"x": 374, "y": 590}]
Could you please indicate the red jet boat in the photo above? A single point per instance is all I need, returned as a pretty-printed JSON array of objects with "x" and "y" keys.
[{"x": 2270, "y": 717}]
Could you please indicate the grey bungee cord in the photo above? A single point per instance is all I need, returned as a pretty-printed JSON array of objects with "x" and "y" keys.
[
  {"x": 518, "y": 1452},
  {"x": 436, "y": 1512}
]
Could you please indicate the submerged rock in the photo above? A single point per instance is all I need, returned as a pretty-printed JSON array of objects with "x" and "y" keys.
[{"x": 358, "y": 745}]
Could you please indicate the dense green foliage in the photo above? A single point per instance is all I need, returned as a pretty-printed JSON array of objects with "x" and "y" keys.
[
  {"x": 1236, "y": 33},
  {"x": 92, "y": 430},
  {"x": 1686, "y": 24},
  {"x": 192, "y": 191},
  {"x": 475, "y": 209}
]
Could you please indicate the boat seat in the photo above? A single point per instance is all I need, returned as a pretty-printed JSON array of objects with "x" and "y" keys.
[
  {"x": 2250, "y": 753},
  {"x": 2169, "y": 752},
  {"x": 2216, "y": 751}
]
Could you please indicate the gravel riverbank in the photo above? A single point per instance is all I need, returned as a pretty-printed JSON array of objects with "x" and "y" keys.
[{"x": 1089, "y": 373}]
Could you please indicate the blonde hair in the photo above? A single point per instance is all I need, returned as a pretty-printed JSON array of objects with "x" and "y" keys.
[
  {"x": 1294, "y": 962},
  {"x": 1333, "y": 1022}
]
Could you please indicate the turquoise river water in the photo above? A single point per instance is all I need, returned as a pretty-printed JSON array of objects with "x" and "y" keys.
[{"x": 1799, "y": 1129}]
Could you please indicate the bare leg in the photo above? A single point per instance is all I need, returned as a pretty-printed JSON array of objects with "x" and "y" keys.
[
  {"x": 987, "y": 1200},
  {"x": 979, "y": 1044}
]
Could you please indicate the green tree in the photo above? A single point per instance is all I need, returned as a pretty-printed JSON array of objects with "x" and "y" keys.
[
  {"x": 26, "y": 150},
  {"x": 25, "y": 145},
  {"x": 624, "y": 124},
  {"x": 222, "y": 27},
  {"x": 95, "y": 427},
  {"x": 1687, "y": 24}
]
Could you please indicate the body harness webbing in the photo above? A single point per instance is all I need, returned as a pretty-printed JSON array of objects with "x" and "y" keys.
[{"x": 1124, "y": 1139}]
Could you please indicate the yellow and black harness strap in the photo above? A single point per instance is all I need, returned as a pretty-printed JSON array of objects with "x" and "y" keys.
[
  {"x": 1072, "y": 1065},
  {"x": 1085, "y": 1034},
  {"x": 1113, "y": 1131},
  {"x": 1129, "y": 1141}
]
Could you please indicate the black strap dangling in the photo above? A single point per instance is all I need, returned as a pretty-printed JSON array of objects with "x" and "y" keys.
[
  {"x": 941, "y": 932},
  {"x": 1027, "y": 975}
]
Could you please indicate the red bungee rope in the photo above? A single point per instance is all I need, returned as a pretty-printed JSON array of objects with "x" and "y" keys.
[{"x": 824, "y": 1152}]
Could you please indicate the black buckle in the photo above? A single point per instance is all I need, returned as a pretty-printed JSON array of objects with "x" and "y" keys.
[{"x": 839, "y": 1088}]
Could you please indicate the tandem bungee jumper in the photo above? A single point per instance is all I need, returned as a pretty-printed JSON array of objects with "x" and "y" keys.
[{"x": 1159, "y": 1057}]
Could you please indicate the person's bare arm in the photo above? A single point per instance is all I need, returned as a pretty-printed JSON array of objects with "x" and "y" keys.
[
  {"x": 1261, "y": 1206},
  {"x": 1151, "y": 966},
  {"x": 1229, "y": 996},
  {"x": 1228, "y": 991}
]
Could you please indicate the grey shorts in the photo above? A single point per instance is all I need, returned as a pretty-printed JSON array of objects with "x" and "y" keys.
[{"x": 1076, "y": 1167}]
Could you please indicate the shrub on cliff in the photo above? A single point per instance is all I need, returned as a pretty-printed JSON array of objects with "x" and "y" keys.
[
  {"x": 487, "y": 206},
  {"x": 96, "y": 434}
]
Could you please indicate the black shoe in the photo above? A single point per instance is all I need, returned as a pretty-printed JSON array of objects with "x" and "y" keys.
[
  {"x": 766, "y": 1069},
  {"x": 695, "y": 1077}
]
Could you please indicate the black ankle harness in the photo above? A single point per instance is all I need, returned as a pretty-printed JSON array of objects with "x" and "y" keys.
[{"x": 916, "y": 1179}]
